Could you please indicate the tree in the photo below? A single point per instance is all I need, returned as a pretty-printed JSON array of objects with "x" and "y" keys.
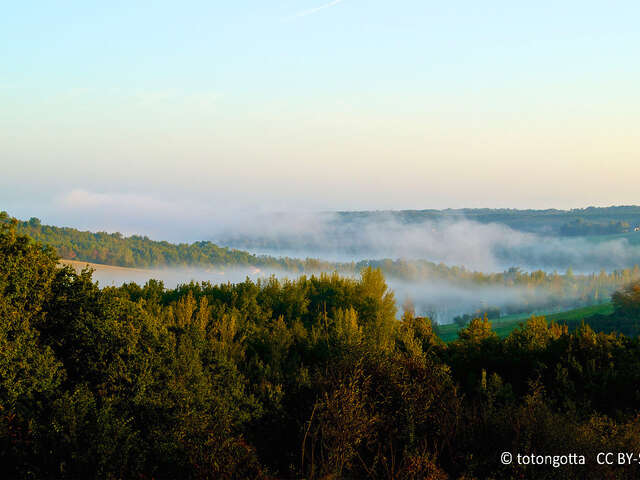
[{"x": 626, "y": 302}]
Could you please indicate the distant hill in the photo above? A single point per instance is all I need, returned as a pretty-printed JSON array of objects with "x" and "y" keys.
[{"x": 585, "y": 221}]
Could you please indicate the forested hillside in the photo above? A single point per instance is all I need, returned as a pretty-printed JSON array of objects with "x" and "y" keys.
[
  {"x": 313, "y": 378},
  {"x": 577, "y": 221},
  {"x": 139, "y": 251}
]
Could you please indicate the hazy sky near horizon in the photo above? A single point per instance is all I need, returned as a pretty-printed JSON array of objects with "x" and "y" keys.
[{"x": 112, "y": 112}]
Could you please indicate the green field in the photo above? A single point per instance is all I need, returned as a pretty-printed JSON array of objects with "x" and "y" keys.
[{"x": 505, "y": 325}]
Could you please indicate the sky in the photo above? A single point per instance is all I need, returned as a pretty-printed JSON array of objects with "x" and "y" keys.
[{"x": 143, "y": 116}]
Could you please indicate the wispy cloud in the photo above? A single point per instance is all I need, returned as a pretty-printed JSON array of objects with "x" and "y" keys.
[{"x": 311, "y": 11}]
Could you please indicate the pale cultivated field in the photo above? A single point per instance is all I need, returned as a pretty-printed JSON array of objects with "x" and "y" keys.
[
  {"x": 106, "y": 268},
  {"x": 108, "y": 275}
]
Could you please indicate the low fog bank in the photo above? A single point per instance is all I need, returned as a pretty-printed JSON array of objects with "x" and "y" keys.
[
  {"x": 477, "y": 246},
  {"x": 443, "y": 301}
]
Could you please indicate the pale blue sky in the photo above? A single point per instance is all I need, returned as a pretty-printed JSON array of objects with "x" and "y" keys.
[{"x": 114, "y": 107}]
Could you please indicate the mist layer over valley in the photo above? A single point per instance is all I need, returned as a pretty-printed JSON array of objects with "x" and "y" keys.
[
  {"x": 454, "y": 241},
  {"x": 481, "y": 244},
  {"x": 441, "y": 267}
]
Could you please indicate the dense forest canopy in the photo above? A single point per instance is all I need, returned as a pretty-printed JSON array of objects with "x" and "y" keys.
[{"x": 309, "y": 378}]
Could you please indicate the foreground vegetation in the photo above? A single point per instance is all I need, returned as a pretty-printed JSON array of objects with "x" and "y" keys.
[{"x": 313, "y": 378}]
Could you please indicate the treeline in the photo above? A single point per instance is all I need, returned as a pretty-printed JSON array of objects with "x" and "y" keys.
[
  {"x": 581, "y": 227},
  {"x": 491, "y": 313},
  {"x": 312, "y": 378}
]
